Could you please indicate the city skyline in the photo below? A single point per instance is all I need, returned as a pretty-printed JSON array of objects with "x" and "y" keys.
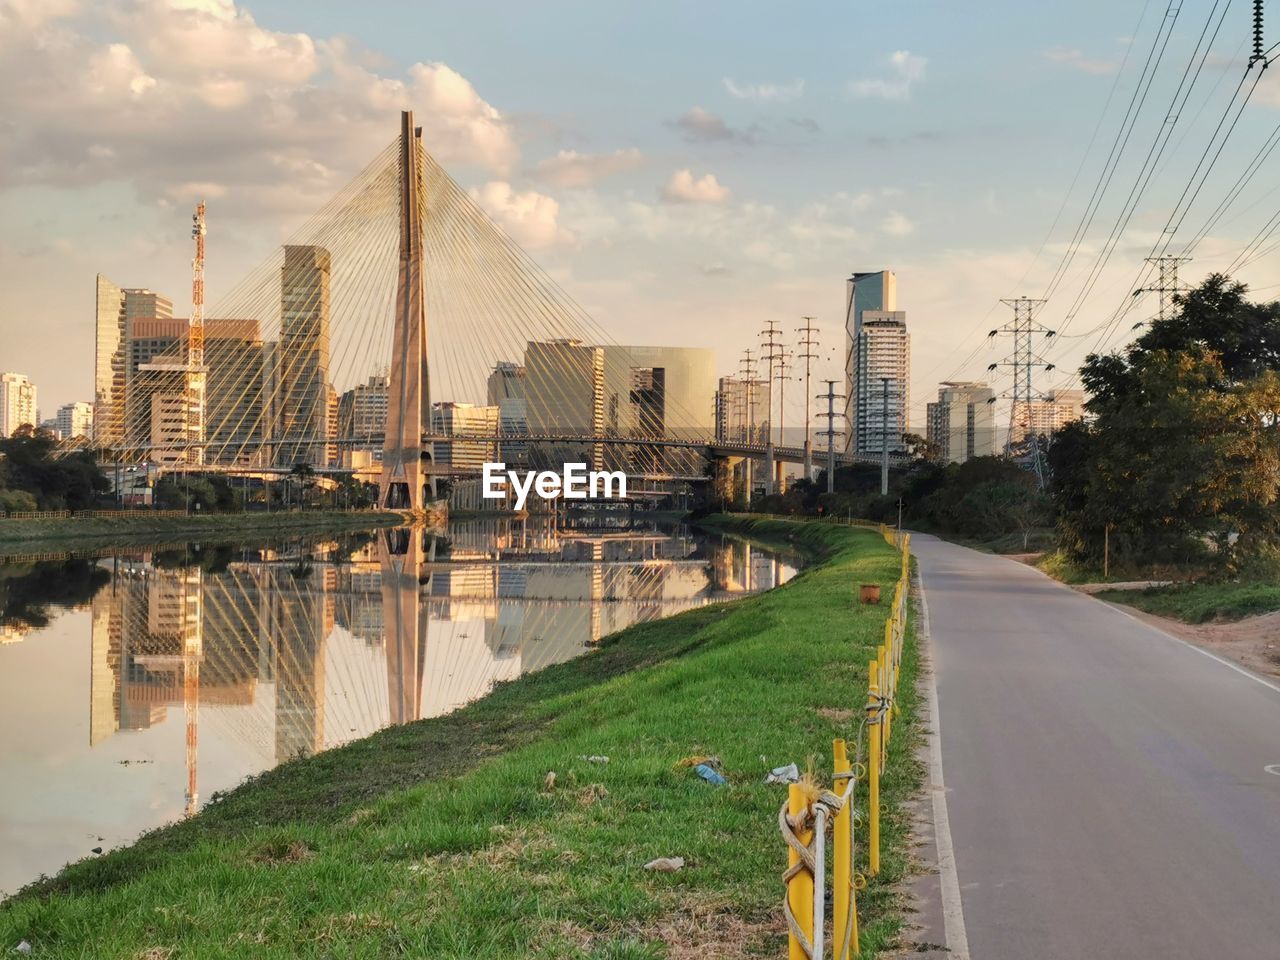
[{"x": 656, "y": 204}]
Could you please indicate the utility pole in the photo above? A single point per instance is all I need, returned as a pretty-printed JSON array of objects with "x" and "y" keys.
[
  {"x": 770, "y": 350},
  {"x": 748, "y": 368},
  {"x": 807, "y": 344},
  {"x": 831, "y": 432},
  {"x": 1023, "y": 361},
  {"x": 884, "y": 439}
]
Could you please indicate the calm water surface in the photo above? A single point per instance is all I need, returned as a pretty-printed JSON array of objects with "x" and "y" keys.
[{"x": 133, "y": 686}]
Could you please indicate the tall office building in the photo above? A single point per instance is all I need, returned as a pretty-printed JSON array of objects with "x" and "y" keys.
[
  {"x": 116, "y": 308},
  {"x": 110, "y": 361},
  {"x": 877, "y": 364},
  {"x": 75, "y": 420},
  {"x": 962, "y": 423},
  {"x": 303, "y": 377},
  {"x": 362, "y": 410},
  {"x": 506, "y": 382},
  {"x": 466, "y": 420},
  {"x": 233, "y": 414},
  {"x": 659, "y": 392},
  {"x": 17, "y": 403},
  {"x": 1047, "y": 416}
]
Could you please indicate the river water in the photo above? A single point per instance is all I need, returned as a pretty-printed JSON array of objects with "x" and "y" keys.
[{"x": 136, "y": 684}]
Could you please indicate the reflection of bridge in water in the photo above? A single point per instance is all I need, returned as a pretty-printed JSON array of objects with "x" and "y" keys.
[{"x": 293, "y": 652}]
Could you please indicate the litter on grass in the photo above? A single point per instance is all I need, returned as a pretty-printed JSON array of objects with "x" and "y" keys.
[
  {"x": 710, "y": 774},
  {"x": 788, "y": 774}
]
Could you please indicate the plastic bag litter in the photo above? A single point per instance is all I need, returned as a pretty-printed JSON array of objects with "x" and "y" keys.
[
  {"x": 594, "y": 758},
  {"x": 710, "y": 774},
  {"x": 665, "y": 864},
  {"x": 788, "y": 774}
]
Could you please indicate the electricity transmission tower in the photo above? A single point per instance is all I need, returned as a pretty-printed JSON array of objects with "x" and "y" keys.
[
  {"x": 1023, "y": 362},
  {"x": 1167, "y": 286},
  {"x": 806, "y": 346},
  {"x": 771, "y": 350},
  {"x": 748, "y": 368},
  {"x": 831, "y": 432}
]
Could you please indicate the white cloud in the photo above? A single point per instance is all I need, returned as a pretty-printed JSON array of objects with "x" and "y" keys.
[
  {"x": 897, "y": 225},
  {"x": 529, "y": 218},
  {"x": 1078, "y": 61},
  {"x": 682, "y": 187},
  {"x": 568, "y": 168},
  {"x": 905, "y": 68},
  {"x": 773, "y": 92},
  {"x": 163, "y": 93}
]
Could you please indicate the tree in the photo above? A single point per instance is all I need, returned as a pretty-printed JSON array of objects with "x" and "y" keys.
[
  {"x": 1181, "y": 462},
  {"x": 30, "y": 462},
  {"x": 918, "y": 448}
]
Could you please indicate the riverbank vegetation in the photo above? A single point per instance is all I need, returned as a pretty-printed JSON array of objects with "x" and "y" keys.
[
  {"x": 51, "y": 534},
  {"x": 500, "y": 831},
  {"x": 32, "y": 478}
]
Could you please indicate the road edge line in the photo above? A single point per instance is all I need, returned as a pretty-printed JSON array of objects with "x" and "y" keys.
[
  {"x": 953, "y": 927},
  {"x": 1238, "y": 668}
]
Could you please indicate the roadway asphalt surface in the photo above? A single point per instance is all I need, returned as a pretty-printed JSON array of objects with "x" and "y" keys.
[{"x": 1106, "y": 784}]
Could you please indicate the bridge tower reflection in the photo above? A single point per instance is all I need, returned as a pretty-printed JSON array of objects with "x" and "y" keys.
[{"x": 403, "y": 555}]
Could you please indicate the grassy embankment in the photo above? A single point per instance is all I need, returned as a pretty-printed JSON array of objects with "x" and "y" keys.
[
  {"x": 443, "y": 839},
  {"x": 1202, "y": 602},
  {"x": 62, "y": 533}
]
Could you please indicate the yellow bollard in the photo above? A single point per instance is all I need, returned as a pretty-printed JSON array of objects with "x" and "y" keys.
[
  {"x": 800, "y": 887},
  {"x": 873, "y": 769},
  {"x": 844, "y": 909}
]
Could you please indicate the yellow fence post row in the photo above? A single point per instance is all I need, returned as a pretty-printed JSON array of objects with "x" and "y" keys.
[
  {"x": 873, "y": 768},
  {"x": 800, "y": 885},
  {"x": 844, "y": 911}
]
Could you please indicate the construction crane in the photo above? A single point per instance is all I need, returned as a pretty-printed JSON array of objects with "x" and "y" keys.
[{"x": 195, "y": 340}]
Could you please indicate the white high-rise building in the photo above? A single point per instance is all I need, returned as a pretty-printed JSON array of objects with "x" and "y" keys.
[
  {"x": 877, "y": 364},
  {"x": 962, "y": 423},
  {"x": 17, "y": 403},
  {"x": 75, "y": 420}
]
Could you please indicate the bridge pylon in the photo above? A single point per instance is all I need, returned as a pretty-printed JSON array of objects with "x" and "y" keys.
[
  {"x": 404, "y": 484},
  {"x": 402, "y": 557}
]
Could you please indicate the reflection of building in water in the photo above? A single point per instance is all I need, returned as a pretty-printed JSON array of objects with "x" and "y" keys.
[
  {"x": 295, "y": 654},
  {"x": 302, "y": 617}
]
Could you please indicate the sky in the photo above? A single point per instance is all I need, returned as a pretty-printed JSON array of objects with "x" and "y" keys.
[{"x": 686, "y": 170}]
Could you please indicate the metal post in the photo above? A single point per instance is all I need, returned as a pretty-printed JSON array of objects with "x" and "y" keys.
[
  {"x": 800, "y": 886},
  {"x": 884, "y": 441},
  {"x": 844, "y": 911},
  {"x": 873, "y": 768}
]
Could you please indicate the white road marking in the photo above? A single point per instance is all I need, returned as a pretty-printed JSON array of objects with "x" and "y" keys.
[
  {"x": 952, "y": 909},
  {"x": 1272, "y": 768}
]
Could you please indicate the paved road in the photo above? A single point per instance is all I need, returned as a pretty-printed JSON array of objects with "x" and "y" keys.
[{"x": 1106, "y": 783}]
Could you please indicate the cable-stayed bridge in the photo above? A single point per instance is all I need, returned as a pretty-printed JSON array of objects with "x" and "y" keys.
[{"x": 398, "y": 292}]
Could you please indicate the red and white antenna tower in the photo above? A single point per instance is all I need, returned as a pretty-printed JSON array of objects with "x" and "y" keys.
[{"x": 195, "y": 343}]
